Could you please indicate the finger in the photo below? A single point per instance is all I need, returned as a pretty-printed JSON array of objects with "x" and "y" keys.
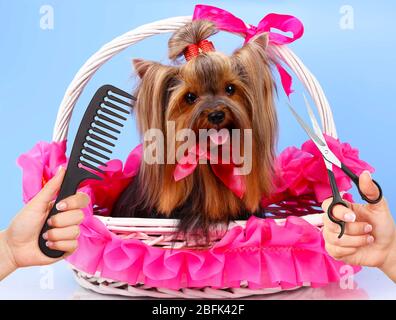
[
  {"x": 370, "y": 190},
  {"x": 67, "y": 246},
  {"x": 351, "y": 228},
  {"x": 348, "y": 241},
  {"x": 57, "y": 234},
  {"x": 326, "y": 204},
  {"x": 367, "y": 185},
  {"x": 78, "y": 201},
  {"x": 339, "y": 252},
  {"x": 50, "y": 205},
  {"x": 50, "y": 189},
  {"x": 340, "y": 213},
  {"x": 66, "y": 219}
]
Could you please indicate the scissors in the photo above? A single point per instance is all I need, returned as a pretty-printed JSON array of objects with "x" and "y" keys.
[{"x": 331, "y": 160}]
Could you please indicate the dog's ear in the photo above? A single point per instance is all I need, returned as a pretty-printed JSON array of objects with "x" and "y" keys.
[
  {"x": 254, "y": 67},
  {"x": 254, "y": 64},
  {"x": 153, "y": 93},
  {"x": 256, "y": 47},
  {"x": 141, "y": 66},
  {"x": 261, "y": 40}
]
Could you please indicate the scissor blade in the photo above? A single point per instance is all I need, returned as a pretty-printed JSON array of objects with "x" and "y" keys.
[
  {"x": 307, "y": 129},
  {"x": 314, "y": 122}
]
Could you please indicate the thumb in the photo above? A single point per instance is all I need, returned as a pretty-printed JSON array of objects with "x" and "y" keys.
[
  {"x": 369, "y": 189},
  {"x": 50, "y": 189}
]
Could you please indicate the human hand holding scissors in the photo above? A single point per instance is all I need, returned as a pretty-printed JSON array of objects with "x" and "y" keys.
[
  {"x": 331, "y": 160},
  {"x": 370, "y": 231}
]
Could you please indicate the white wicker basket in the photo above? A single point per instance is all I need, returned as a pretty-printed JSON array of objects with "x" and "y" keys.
[{"x": 155, "y": 232}]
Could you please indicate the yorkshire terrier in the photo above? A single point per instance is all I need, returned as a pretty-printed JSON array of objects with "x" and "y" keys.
[{"x": 209, "y": 91}]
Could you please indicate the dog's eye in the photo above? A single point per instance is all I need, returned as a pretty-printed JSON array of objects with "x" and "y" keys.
[
  {"x": 230, "y": 89},
  {"x": 190, "y": 98}
]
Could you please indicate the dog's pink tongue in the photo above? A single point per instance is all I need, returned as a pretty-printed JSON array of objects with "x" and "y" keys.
[{"x": 219, "y": 137}]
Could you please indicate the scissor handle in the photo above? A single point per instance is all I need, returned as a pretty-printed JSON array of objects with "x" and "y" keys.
[
  {"x": 337, "y": 200},
  {"x": 355, "y": 180}
]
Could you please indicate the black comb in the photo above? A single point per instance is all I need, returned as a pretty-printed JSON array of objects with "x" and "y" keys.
[{"x": 98, "y": 131}]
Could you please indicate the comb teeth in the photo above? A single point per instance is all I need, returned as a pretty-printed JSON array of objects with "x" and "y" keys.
[
  {"x": 104, "y": 133},
  {"x": 109, "y": 103},
  {"x": 88, "y": 157},
  {"x": 96, "y": 153},
  {"x": 112, "y": 121},
  {"x": 112, "y": 105},
  {"x": 87, "y": 164},
  {"x": 111, "y": 113},
  {"x": 122, "y": 94},
  {"x": 100, "y": 139},
  {"x": 100, "y": 147},
  {"x": 105, "y": 126}
]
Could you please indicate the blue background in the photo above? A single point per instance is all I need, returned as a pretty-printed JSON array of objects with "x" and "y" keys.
[{"x": 355, "y": 67}]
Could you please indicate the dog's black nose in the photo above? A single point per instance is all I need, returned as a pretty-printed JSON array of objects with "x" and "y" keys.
[{"x": 216, "y": 117}]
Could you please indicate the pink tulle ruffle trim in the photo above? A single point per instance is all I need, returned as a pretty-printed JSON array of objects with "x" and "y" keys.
[{"x": 264, "y": 254}]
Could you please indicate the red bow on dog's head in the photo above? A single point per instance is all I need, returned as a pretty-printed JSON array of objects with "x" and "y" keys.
[{"x": 194, "y": 50}]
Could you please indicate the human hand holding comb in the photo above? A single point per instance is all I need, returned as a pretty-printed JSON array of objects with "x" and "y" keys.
[
  {"x": 101, "y": 122},
  {"x": 18, "y": 243}
]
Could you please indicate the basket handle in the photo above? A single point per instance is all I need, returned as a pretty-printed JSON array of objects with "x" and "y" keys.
[{"x": 122, "y": 42}]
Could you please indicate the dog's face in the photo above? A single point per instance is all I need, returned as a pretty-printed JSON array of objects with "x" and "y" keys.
[
  {"x": 208, "y": 93},
  {"x": 211, "y": 91}
]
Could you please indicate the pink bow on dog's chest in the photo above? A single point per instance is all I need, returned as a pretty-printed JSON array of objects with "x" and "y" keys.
[
  {"x": 226, "y": 21},
  {"x": 226, "y": 172}
]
